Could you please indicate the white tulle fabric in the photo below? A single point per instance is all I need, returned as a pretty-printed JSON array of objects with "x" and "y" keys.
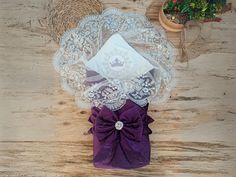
[{"x": 95, "y": 86}]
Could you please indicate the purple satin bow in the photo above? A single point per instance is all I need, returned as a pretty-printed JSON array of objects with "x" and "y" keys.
[{"x": 121, "y": 138}]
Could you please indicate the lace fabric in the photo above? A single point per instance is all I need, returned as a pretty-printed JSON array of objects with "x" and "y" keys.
[{"x": 79, "y": 45}]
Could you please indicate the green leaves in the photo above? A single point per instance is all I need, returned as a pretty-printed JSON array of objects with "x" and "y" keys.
[
  {"x": 194, "y": 9},
  {"x": 185, "y": 9}
]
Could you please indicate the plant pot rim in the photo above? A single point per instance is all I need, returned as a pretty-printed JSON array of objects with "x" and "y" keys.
[
  {"x": 162, "y": 11},
  {"x": 167, "y": 23}
]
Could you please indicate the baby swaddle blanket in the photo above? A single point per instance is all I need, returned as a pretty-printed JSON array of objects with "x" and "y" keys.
[{"x": 116, "y": 64}]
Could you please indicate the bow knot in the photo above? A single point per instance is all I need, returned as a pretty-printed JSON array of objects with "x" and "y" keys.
[
  {"x": 121, "y": 137},
  {"x": 128, "y": 123}
]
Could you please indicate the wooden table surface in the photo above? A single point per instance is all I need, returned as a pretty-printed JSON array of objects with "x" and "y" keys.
[{"x": 43, "y": 132}]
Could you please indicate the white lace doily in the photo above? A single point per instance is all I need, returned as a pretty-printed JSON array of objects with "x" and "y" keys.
[{"x": 82, "y": 43}]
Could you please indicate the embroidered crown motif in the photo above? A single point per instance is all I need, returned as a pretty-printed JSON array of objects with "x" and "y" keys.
[{"x": 117, "y": 61}]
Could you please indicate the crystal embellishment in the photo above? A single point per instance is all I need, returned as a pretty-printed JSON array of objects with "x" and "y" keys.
[{"x": 119, "y": 125}]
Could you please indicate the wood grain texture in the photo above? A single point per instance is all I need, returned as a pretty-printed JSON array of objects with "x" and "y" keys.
[{"x": 43, "y": 133}]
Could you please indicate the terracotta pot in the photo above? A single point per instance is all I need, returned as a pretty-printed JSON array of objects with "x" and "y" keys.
[{"x": 168, "y": 24}]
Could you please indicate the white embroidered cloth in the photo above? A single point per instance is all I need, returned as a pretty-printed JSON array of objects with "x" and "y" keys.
[
  {"x": 118, "y": 60},
  {"x": 113, "y": 57}
]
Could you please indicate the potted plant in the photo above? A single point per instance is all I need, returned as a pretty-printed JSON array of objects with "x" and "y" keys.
[{"x": 175, "y": 13}]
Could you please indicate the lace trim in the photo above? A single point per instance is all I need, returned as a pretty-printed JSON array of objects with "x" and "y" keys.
[{"x": 80, "y": 44}]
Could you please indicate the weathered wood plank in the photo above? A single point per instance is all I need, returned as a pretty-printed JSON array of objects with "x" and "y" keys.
[
  {"x": 73, "y": 158},
  {"x": 43, "y": 132}
]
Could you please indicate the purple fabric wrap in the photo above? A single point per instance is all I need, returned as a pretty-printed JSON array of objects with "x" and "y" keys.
[{"x": 128, "y": 147}]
